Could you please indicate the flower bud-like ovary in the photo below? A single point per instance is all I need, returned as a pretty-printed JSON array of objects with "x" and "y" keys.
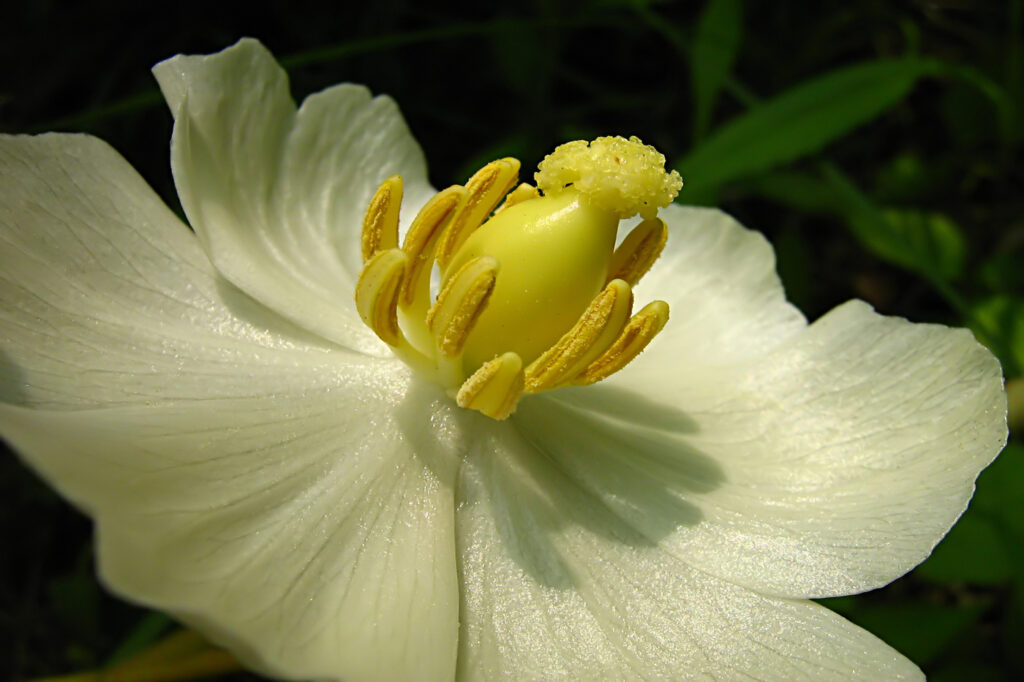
[
  {"x": 554, "y": 254},
  {"x": 534, "y": 295}
]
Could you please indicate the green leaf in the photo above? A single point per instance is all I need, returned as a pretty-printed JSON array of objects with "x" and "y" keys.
[
  {"x": 973, "y": 552},
  {"x": 999, "y": 498},
  {"x": 926, "y": 243},
  {"x": 998, "y": 321},
  {"x": 799, "y": 122},
  {"x": 929, "y": 244},
  {"x": 719, "y": 32},
  {"x": 919, "y": 631},
  {"x": 144, "y": 634}
]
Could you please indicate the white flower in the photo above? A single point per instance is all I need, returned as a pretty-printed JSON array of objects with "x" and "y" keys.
[{"x": 262, "y": 468}]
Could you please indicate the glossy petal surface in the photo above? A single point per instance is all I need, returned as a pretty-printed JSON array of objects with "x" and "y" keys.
[
  {"x": 277, "y": 194},
  {"x": 556, "y": 587},
  {"x": 252, "y": 481},
  {"x": 830, "y": 465}
]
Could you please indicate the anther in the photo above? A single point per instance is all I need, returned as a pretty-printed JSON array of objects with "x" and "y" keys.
[
  {"x": 380, "y": 226},
  {"x": 642, "y": 328},
  {"x": 522, "y": 193},
  {"x": 595, "y": 331},
  {"x": 460, "y": 303},
  {"x": 485, "y": 189},
  {"x": 377, "y": 294},
  {"x": 495, "y": 388},
  {"x": 422, "y": 237},
  {"x": 638, "y": 251}
]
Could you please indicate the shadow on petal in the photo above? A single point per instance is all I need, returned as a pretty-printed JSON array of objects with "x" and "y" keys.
[
  {"x": 12, "y": 381},
  {"x": 627, "y": 452}
]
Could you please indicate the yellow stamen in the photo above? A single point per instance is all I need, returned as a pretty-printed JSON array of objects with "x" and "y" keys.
[
  {"x": 522, "y": 193},
  {"x": 380, "y": 226},
  {"x": 642, "y": 328},
  {"x": 485, "y": 190},
  {"x": 598, "y": 327},
  {"x": 495, "y": 388},
  {"x": 377, "y": 294},
  {"x": 422, "y": 237},
  {"x": 460, "y": 303},
  {"x": 534, "y": 295},
  {"x": 638, "y": 251}
]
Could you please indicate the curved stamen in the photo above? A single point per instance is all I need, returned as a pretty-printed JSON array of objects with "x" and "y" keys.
[
  {"x": 638, "y": 251},
  {"x": 421, "y": 240},
  {"x": 642, "y": 328},
  {"x": 380, "y": 226},
  {"x": 495, "y": 388},
  {"x": 595, "y": 331},
  {"x": 522, "y": 193},
  {"x": 485, "y": 189},
  {"x": 377, "y": 294},
  {"x": 460, "y": 303}
]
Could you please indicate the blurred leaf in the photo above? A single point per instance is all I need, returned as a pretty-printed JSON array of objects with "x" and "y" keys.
[
  {"x": 999, "y": 323},
  {"x": 1002, "y": 271},
  {"x": 999, "y": 498},
  {"x": 905, "y": 178},
  {"x": 929, "y": 244},
  {"x": 144, "y": 634},
  {"x": 800, "y": 121},
  {"x": 919, "y": 631},
  {"x": 802, "y": 191},
  {"x": 926, "y": 243},
  {"x": 973, "y": 552},
  {"x": 718, "y": 38}
]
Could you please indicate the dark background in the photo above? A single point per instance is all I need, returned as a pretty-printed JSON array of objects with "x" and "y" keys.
[{"x": 904, "y": 190}]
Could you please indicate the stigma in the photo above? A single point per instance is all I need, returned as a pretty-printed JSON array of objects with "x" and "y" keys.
[{"x": 534, "y": 293}]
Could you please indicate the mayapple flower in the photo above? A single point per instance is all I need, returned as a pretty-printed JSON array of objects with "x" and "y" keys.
[{"x": 346, "y": 458}]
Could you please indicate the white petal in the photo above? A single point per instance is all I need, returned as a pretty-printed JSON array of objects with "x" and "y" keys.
[
  {"x": 309, "y": 532},
  {"x": 277, "y": 195},
  {"x": 726, "y": 301},
  {"x": 830, "y": 465},
  {"x": 257, "y": 483},
  {"x": 106, "y": 297},
  {"x": 555, "y": 587}
]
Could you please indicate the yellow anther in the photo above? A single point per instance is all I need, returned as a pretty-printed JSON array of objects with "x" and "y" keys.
[
  {"x": 643, "y": 327},
  {"x": 495, "y": 388},
  {"x": 422, "y": 237},
  {"x": 596, "y": 330},
  {"x": 520, "y": 194},
  {"x": 380, "y": 226},
  {"x": 638, "y": 251},
  {"x": 460, "y": 303},
  {"x": 485, "y": 189},
  {"x": 377, "y": 294}
]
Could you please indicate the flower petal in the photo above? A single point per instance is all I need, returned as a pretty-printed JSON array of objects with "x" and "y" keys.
[
  {"x": 106, "y": 297},
  {"x": 830, "y": 465},
  {"x": 276, "y": 194},
  {"x": 301, "y": 530},
  {"x": 245, "y": 475},
  {"x": 556, "y": 587},
  {"x": 727, "y": 303}
]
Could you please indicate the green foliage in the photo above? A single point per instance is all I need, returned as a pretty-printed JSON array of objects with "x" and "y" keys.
[
  {"x": 718, "y": 39},
  {"x": 799, "y": 122},
  {"x": 999, "y": 322}
]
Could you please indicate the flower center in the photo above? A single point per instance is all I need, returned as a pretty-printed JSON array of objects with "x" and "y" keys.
[{"x": 534, "y": 294}]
